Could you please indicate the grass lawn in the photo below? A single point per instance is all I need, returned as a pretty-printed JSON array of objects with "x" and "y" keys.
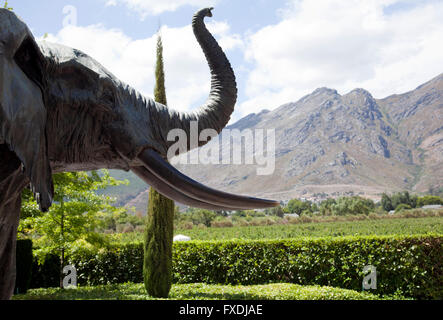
[{"x": 200, "y": 291}]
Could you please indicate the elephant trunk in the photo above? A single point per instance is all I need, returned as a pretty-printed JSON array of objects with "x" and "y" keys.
[
  {"x": 214, "y": 114},
  {"x": 217, "y": 110}
]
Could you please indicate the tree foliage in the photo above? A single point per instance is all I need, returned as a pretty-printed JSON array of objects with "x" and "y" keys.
[
  {"x": 299, "y": 206},
  {"x": 196, "y": 216},
  {"x": 157, "y": 266},
  {"x": 386, "y": 202},
  {"x": 6, "y": 6},
  {"x": 75, "y": 215},
  {"x": 160, "y": 89},
  {"x": 405, "y": 200},
  {"x": 346, "y": 206},
  {"x": 428, "y": 200}
]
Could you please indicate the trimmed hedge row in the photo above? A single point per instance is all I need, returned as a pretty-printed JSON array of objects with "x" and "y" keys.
[
  {"x": 408, "y": 265},
  {"x": 24, "y": 267}
]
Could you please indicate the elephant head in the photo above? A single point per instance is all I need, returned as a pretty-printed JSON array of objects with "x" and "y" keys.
[{"x": 60, "y": 110}]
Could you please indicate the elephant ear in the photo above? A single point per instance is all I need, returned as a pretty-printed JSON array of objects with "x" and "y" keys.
[
  {"x": 23, "y": 116},
  {"x": 23, "y": 129}
]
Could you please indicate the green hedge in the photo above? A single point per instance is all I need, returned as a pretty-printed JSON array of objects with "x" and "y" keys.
[
  {"x": 117, "y": 264},
  {"x": 408, "y": 265},
  {"x": 46, "y": 275},
  {"x": 24, "y": 265}
]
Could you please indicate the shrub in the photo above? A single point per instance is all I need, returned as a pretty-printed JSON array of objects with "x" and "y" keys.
[
  {"x": 352, "y": 205},
  {"x": 402, "y": 207},
  {"x": 293, "y": 220},
  {"x": 116, "y": 264},
  {"x": 412, "y": 265},
  {"x": 241, "y": 223},
  {"x": 305, "y": 219},
  {"x": 300, "y": 207},
  {"x": 187, "y": 225},
  {"x": 428, "y": 200},
  {"x": 158, "y": 238},
  {"x": 262, "y": 221},
  {"x": 389, "y": 203},
  {"x": 24, "y": 265},
  {"x": 45, "y": 274},
  {"x": 386, "y": 202},
  {"x": 128, "y": 228},
  {"x": 373, "y": 216},
  {"x": 225, "y": 223},
  {"x": 139, "y": 229}
]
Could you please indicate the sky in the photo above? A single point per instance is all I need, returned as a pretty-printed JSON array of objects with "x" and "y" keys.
[{"x": 280, "y": 50}]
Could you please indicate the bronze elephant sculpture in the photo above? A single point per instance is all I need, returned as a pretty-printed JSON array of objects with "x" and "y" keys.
[{"x": 60, "y": 110}]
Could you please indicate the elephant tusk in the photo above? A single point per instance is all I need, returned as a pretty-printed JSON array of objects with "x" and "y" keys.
[
  {"x": 174, "y": 194},
  {"x": 193, "y": 189}
]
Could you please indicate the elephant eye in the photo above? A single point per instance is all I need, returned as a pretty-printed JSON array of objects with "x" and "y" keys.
[{"x": 28, "y": 59}]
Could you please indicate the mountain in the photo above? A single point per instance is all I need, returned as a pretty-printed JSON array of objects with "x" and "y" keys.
[
  {"x": 327, "y": 144},
  {"x": 418, "y": 118}
]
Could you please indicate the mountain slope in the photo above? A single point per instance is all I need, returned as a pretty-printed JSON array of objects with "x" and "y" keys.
[
  {"x": 418, "y": 116},
  {"x": 329, "y": 144}
]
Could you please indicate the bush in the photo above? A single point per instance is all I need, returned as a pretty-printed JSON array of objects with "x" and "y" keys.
[
  {"x": 409, "y": 265},
  {"x": 24, "y": 265},
  {"x": 386, "y": 202},
  {"x": 352, "y": 205},
  {"x": 225, "y": 223},
  {"x": 187, "y": 225},
  {"x": 300, "y": 207},
  {"x": 402, "y": 207},
  {"x": 428, "y": 200},
  {"x": 46, "y": 274},
  {"x": 128, "y": 228},
  {"x": 116, "y": 264},
  {"x": 392, "y": 202}
]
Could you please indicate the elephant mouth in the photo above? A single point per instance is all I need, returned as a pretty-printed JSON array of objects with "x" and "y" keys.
[{"x": 175, "y": 185}]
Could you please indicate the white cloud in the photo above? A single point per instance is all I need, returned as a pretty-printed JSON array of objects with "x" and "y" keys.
[
  {"x": 133, "y": 61},
  {"x": 343, "y": 45},
  {"x": 155, "y": 7}
]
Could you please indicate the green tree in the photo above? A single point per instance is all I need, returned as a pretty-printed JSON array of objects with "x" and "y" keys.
[
  {"x": 6, "y": 6},
  {"x": 403, "y": 198},
  {"x": 277, "y": 211},
  {"x": 386, "y": 202},
  {"x": 427, "y": 200},
  {"x": 325, "y": 207},
  {"x": 402, "y": 206},
  {"x": 352, "y": 205},
  {"x": 74, "y": 216},
  {"x": 298, "y": 206},
  {"x": 157, "y": 265},
  {"x": 346, "y": 205},
  {"x": 203, "y": 216}
]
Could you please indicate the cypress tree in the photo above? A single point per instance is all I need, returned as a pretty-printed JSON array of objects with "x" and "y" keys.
[{"x": 157, "y": 264}]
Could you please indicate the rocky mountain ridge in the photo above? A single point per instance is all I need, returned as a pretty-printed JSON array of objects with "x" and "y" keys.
[{"x": 329, "y": 144}]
